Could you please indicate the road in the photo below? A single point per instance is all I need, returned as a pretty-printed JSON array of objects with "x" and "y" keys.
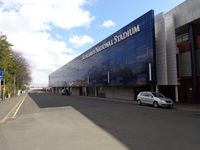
[{"x": 54, "y": 122}]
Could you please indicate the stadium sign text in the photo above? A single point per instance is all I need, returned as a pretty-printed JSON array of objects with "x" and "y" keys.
[{"x": 116, "y": 39}]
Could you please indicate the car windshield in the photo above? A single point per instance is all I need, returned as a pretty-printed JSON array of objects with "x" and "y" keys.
[{"x": 158, "y": 95}]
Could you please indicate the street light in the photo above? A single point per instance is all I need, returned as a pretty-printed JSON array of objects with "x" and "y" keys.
[
  {"x": 4, "y": 79},
  {"x": 4, "y": 84},
  {"x": 1, "y": 75}
]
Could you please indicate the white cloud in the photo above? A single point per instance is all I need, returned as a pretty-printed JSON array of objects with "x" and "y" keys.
[
  {"x": 108, "y": 24},
  {"x": 43, "y": 53},
  {"x": 27, "y": 23},
  {"x": 79, "y": 41},
  {"x": 38, "y": 14}
]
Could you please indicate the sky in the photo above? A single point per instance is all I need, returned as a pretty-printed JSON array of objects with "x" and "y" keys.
[{"x": 50, "y": 33}]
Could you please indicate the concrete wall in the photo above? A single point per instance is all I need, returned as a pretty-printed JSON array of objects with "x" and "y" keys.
[
  {"x": 186, "y": 12},
  {"x": 166, "y": 49},
  {"x": 74, "y": 91},
  {"x": 171, "y": 49},
  {"x": 84, "y": 92},
  {"x": 161, "y": 52},
  {"x": 57, "y": 90},
  {"x": 119, "y": 92}
]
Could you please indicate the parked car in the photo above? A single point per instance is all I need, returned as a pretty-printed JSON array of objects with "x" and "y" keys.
[
  {"x": 155, "y": 99},
  {"x": 65, "y": 92}
]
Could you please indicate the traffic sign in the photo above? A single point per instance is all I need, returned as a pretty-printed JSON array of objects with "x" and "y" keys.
[{"x": 1, "y": 74}]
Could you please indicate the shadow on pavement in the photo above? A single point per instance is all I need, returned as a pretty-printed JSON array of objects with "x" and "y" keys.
[{"x": 137, "y": 127}]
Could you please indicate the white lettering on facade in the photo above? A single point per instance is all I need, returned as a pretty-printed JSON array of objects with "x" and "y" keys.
[{"x": 116, "y": 39}]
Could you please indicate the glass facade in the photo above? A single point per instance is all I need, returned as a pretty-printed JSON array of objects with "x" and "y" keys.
[
  {"x": 124, "y": 58},
  {"x": 185, "y": 64},
  {"x": 198, "y": 61},
  {"x": 197, "y": 45},
  {"x": 188, "y": 43},
  {"x": 184, "y": 56}
]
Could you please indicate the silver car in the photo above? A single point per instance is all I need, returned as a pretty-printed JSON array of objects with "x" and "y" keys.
[{"x": 155, "y": 99}]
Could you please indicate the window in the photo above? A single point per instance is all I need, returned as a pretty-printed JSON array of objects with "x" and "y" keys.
[
  {"x": 185, "y": 64},
  {"x": 185, "y": 37},
  {"x": 183, "y": 43},
  {"x": 198, "y": 61},
  {"x": 182, "y": 37}
]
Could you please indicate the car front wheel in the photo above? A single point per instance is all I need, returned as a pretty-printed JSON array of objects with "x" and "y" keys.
[
  {"x": 139, "y": 102},
  {"x": 155, "y": 104}
]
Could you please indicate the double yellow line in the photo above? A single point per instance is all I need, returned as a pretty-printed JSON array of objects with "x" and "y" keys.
[{"x": 13, "y": 112}]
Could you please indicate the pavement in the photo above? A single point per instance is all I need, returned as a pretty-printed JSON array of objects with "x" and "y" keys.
[
  {"x": 187, "y": 107},
  {"x": 178, "y": 106},
  {"x": 9, "y": 106},
  {"x": 47, "y": 121}
]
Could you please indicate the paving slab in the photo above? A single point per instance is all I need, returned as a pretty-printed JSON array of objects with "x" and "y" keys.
[{"x": 7, "y": 105}]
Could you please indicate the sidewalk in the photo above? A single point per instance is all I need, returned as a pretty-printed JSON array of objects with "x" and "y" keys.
[
  {"x": 188, "y": 107},
  {"x": 178, "y": 106},
  {"x": 7, "y": 105}
]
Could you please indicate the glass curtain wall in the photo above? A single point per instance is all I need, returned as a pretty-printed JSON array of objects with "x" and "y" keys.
[
  {"x": 184, "y": 61},
  {"x": 184, "y": 64}
]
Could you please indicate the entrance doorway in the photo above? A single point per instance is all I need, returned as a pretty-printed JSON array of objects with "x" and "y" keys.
[
  {"x": 91, "y": 91},
  {"x": 137, "y": 90},
  {"x": 168, "y": 91}
]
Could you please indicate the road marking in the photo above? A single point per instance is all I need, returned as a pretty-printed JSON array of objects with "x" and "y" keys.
[
  {"x": 16, "y": 107},
  {"x": 15, "y": 113}
]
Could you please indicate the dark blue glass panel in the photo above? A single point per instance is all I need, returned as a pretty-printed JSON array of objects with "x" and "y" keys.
[{"x": 125, "y": 63}]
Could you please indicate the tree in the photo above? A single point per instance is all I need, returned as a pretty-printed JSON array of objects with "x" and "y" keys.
[
  {"x": 21, "y": 70},
  {"x": 15, "y": 67}
]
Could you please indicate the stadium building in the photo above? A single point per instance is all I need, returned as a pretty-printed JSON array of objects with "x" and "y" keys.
[{"x": 157, "y": 53}]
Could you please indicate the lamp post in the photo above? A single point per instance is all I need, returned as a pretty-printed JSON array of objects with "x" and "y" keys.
[
  {"x": 14, "y": 84},
  {"x": 5, "y": 68},
  {"x": 0, "y": 90},
  {"x": 1, "y": 75},
  {"x": 4, "y": 85}
]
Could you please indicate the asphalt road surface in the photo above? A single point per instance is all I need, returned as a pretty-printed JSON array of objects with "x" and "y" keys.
[{"x": 54, "y": 122}]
